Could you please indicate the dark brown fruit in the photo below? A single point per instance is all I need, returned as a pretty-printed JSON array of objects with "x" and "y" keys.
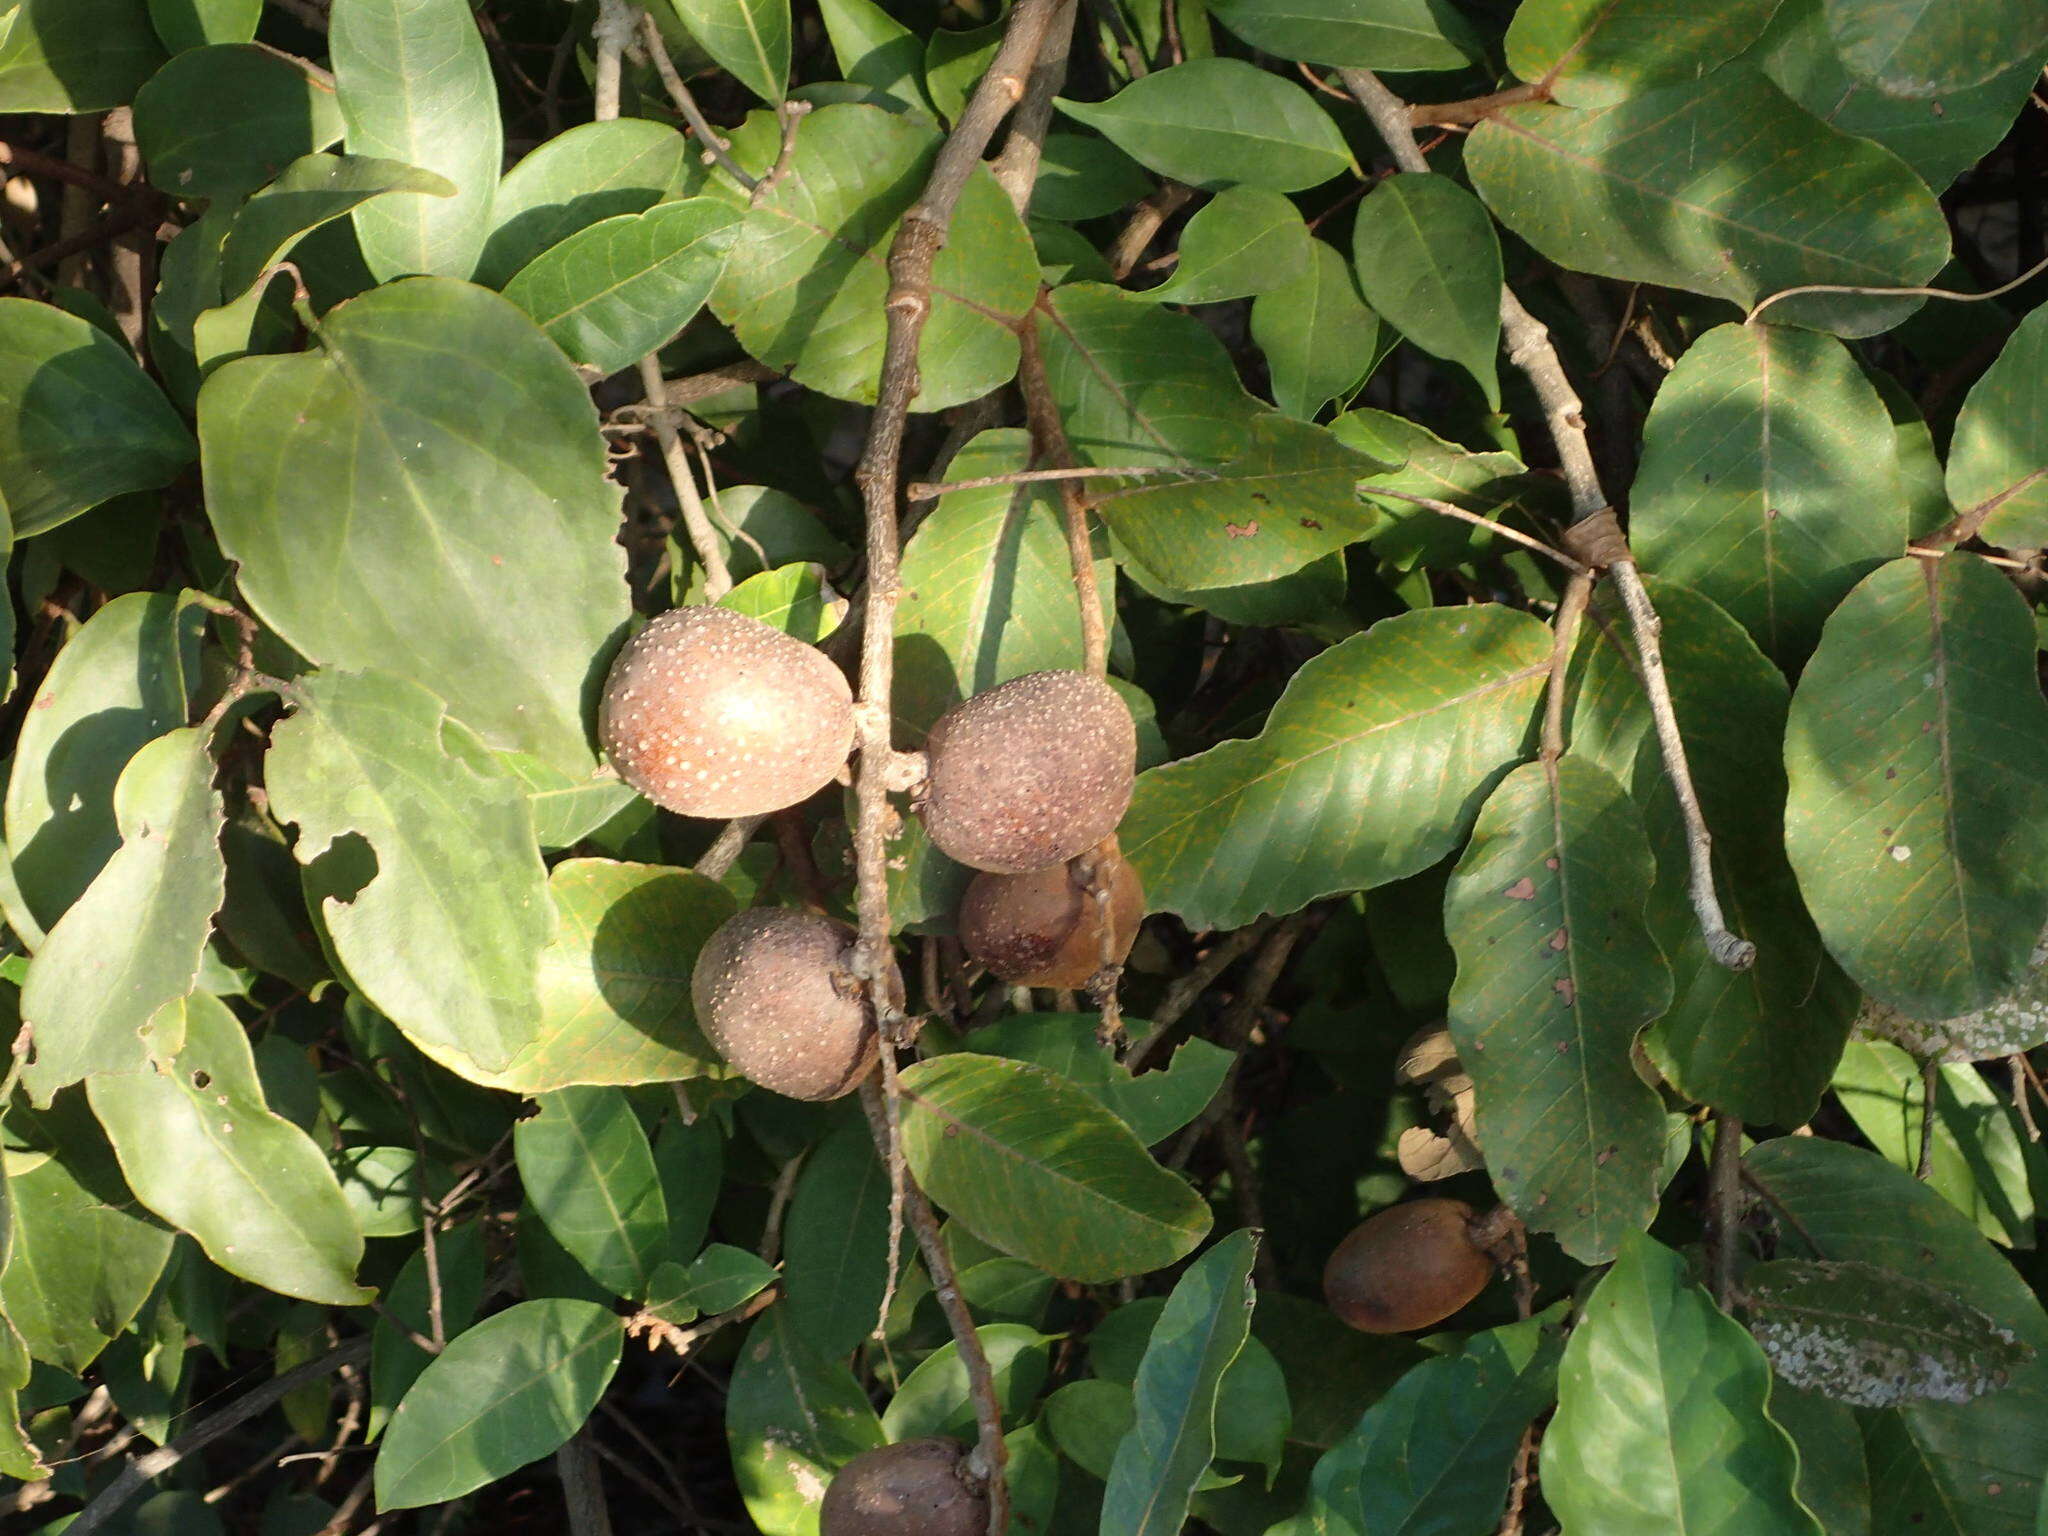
[
  {"x": 1044, "y": 929},
  {"x": 1030, "y": 774},
  {"x": 775, "y": 993},
  {"x": 1407, "y": 1267},
  {"x": 915, "y": 1488},
  {"x": 710, "y": 713}
]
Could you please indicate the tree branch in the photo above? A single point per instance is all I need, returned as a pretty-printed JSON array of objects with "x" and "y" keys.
[
  {"x": 1016, "y": 168},
  {"x": 1528, "y": 346},
  {"x": 1436, "y": 114},
  {"x": 679, "y": 93},
  {"x": 1049, "y": 438},
  {"x": 1724, "y": 1193},
  {"x": 609, "y": 33},
  {"x": 689, "y": 503},
  {"x": 1514, "y": 535}
]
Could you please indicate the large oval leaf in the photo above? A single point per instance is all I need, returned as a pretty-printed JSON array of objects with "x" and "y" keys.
[
  {"x": 1917, "y": 750},
  {"x": 415, "y": 86},
  {"x": 130, "y": 674},
  {"x": 1759, "y": 1043},
  {"x": 1370, "y": 767},
  {"x": 1316, "y": 332},
  {"x": 1244, "y": 240},
  {"x": 1034, "y": 1166},
  {"x": 835, "y": 1241},
  {"x": 369, "y": 764},
  {"x": 1769, "y": 480},
  {"x": 1724, "y": 187},
  {"x": 395, "y": 1360},
  {"x": 503, "y": 1393},
  {"x": 590, "y": 172},
  {"x": 1658, "y": 1380},
  {"x": 1428, "y": 260},
  {"x": 1921, "y": 48},
  {"x": 1172, "y": 1437},
  {"x": 804, "y": 287},
  {"x": 1392, "y": 35},
  {"x": 383, "y": 516},
  {"x": 1998, "y": 458},
  {"x": 134, "y": 941},
  {"x": 750, "y": 39},
  {"x": 587, "y": 1168},
  {"x": 75, "y": 55},
  {"x": 308, "y": 193},
  {"x": 792, "y": 1418},
  {"x": 1215, "y": 122},
  {"x": 1936, "y": 1469},
  {"x": 1556, "y": 976},
  {"x": 79, "y": 422},
  {"x": 614, "y": 292},
  {"x": 1593, "y": 53},
  {"x": 201, "y": 1146},
  {"x": 218, "y": 122}
]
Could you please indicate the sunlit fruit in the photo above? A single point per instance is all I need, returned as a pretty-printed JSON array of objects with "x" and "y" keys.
[
  {"x": 775, "y": 994},
  {"x": 1407, "y": 1267},
  {"x": 1031, "y": 773},
  {"x": 710, "y": 713},
  {"x": 1044, "y": 929}
]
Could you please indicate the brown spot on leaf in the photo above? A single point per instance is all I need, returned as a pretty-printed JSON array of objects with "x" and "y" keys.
[
  {"x": 1523, "y": 889},
  {"x": 1241, "y": 530},
  {"x": 1566, "y": 991},
  {"x": 1558, "y": 940},
  {"x": 1309, "y": 522}
]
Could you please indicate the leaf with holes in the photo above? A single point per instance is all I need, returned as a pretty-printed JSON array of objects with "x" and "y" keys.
[
  {"x": 1917, "y": 750},
  {"x": 1769, "y": 481},
  {"x": 1371, "y": 766},
  {"x": 1035, "y": 1167},
  {"x": 1557, "y": 974}
]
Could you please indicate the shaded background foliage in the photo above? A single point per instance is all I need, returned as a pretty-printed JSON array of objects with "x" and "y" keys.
[{"x": 367, "y": 368}]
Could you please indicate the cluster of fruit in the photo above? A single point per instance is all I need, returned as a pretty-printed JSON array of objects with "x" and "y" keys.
[{"x": 708, "y": 712}]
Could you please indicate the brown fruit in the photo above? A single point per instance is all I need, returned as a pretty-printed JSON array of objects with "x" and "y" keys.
[
  {"x": 1031, "y": 773},
  {"x": 915, "y": 1488},
  {"x": 1044, "y": 929},
  {"x": 774, "y": 992},
  {"x": 710, "y": 713},
  {"x": 1407, "y": 1267}
]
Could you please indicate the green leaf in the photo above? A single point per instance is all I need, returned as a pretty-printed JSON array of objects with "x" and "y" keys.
[
  {"x": 130, "y": 674},
  {"x": 749, "y": 39},
  {"x": 1290, "y": 500},
  {"x": 689, "y": 1159},
  {"x": 395, "y": 1361},
  {"x": 1918, "y": 755},
  {"x": 467, "y": 554},
  {"x": 1371, "y": 766},
  {"x": 1769, "y": 480},
  {"x": 1658, "y": 1380},
  {"x": 186, "y": 24},
  {"x": 875, "y": 50},
  {"x": 308, "y": 193},
  {"x": 371, "y": 759},
  {"x": 384, "y": 1187},
  {"x": 1593, "y": 53},
  {"x": 935, "y": 1398},
  {"x": 218, "y": 122},
  {"x": 587, "y": 1168},
  {"x": 614, "y": 292},
  {"x": 1436, "y": 1451},
  {"x": 792, "y": 1419},
  {"x": 133, "y": 942},
  {"x": 592, "y": 171},
  {"x": 988, "y": 588},
  {"x": 615, "y": 979},
  {"x": 1083, "y": 177},
  {"x": 1834, "y": 1480},
  {"x": 1759, "y": 1043},
  {"x": 415, "y": 86},
  {"x": 85, "y": 1255},
  {"x": 1317, "y": 334},
  {"x": 1978, "y": 1163},
  {"x": 1495, "y": 484},
  {"x": 1867, "y": 1336},
  {"x": 1392, "y": 35},
  {"x": 502, "y": 1394},
  {"x": 1557, "y": 974},
  {"x": 1999, "y": 454},
  {"x": 2013, "y": 1022},
  {"x": 1940, "y": 139},
  {"x": 1428, "y": 261},
  {"x": 1035, "y": 1167},
  {"x": 202, "y": 1148},
  {"x": 804, "y": 285},
  {"x": 1137, "y": 384},
  {"x": 953, "y": 64},
  {"x": 566, "y": 810},
  {"x": 1153, "y": 1104},
  {"x": 721, "y": 1277},
  {"x": 1243, "y": 241},
  {"x": 74, "y": 55},
  {"x": 796, "y": 599},
  {"x": 1215, "y": 122},
  {"x": 1721, "y": 186},
  {"x": 835, "y": 1241},
  {"x": 80, "y": 423},
  {"x": 1088, "y": 1419},
  {"x": 1936, "y": 1469},
  {"x": 1172, "y": 1437},
  {"x": 1921, "y": 48}
]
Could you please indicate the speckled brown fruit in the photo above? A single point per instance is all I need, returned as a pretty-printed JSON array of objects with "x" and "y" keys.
[
  {"x": 1407, "y": 1267},
  {"x": 710, "y": 713},
  {"x": 1031, "y": 773},
  {"x": 1044, "y": 929},
  {"x": 775, "y": 994},
  {"x": 915, "y": 1488}
]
